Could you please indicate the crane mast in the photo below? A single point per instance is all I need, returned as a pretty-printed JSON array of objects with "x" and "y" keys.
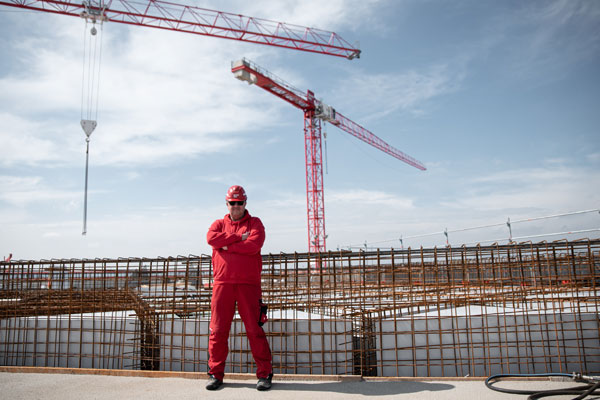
[
  {"x": 315, "y": 200},
  {"x": 200, "y": 21},
  {"x": 315, "y": 112}
]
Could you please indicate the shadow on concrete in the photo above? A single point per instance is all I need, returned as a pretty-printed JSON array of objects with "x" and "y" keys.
[{"x": 362, "y": 388}]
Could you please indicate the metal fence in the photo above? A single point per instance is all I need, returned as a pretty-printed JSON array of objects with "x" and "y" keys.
[{"x": 477, "y": 311}]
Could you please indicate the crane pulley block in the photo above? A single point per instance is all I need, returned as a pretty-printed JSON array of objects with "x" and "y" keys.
[{"x": 94, "y": 12}]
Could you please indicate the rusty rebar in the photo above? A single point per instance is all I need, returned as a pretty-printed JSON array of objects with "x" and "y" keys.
[{"x": 480, "y": 310}]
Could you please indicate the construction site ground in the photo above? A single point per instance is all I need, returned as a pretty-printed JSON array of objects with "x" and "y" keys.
[{"x": 65, "y": 383}]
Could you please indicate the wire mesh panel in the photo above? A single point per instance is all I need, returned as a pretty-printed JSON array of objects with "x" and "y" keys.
[
  {"x": 71, "y": 341},
  {"x": 476, "y": 311}
]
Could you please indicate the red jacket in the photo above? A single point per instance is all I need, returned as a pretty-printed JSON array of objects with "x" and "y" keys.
[{"x": 241, "y": 262}]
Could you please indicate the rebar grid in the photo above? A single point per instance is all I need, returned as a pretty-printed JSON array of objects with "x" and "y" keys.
[{"x": 519, "y": 308}]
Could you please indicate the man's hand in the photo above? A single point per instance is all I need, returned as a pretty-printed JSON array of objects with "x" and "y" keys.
[{"x": 244, "y": 237}]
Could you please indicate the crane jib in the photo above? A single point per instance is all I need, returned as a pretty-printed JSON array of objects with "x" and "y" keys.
[{"x": 200, "y": 21}]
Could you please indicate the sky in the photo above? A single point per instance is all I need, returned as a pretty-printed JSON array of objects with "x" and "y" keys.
[{"x": 498, "y": 99}]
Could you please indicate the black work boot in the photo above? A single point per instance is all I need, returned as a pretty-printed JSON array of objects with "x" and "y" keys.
[
  {"x": 264, "y": 383},
  {"x": 213, "y": 383}
]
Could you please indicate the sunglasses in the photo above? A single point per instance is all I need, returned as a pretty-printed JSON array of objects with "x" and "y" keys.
[{"x": 236, "y": 203}]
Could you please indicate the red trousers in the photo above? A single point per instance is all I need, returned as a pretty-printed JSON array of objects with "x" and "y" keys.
[{"x": 224, "y": 298}]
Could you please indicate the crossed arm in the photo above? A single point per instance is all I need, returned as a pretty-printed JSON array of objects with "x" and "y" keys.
[
  {"x": 250, "y": 242},
  {"x": 244, "y": 237}
]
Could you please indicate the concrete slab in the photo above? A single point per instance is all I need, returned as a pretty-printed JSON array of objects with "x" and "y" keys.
[{"x": 67, "y": 386}]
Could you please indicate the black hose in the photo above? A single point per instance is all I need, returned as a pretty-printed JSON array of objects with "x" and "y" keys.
[{"x": 581, "y": 392}]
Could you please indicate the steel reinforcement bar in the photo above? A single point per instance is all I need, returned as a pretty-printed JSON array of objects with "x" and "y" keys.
[{"x": 437, "y": 312}]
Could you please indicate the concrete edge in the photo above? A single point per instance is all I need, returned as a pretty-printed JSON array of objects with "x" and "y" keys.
[
  {"x": 242, "y": 377},
  {"x": 170, "y": 374}
]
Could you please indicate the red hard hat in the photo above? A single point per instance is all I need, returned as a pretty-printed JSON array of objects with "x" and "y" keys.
[{"x": 236, "y": 193}]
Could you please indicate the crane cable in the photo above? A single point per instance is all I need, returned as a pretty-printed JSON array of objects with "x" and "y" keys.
[
  {"x": 90, "y": 85},
  {"x": 325, "y": 137},
  {"x": 592, "y": 387}
]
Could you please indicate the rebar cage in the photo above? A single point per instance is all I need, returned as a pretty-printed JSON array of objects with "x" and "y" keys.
[{"x": 438, "y": 312}]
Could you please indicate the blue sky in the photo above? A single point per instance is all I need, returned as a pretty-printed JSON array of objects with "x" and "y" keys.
[{"x": 499, "y": 99}]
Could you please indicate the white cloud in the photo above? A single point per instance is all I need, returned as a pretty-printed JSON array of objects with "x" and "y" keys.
[
  {"x": 561, "y": 21},
  {"x": 160, "y": 99},
  {"x": 162, "y": 95},
  {"x": 132, "y": 175},
  {"x": 540, "y": 42},
  {"x": 555, "y": 187},
  {"x": 593, "y": 157},
  {"x": 165, "y": 233},
  {"x": 225, "y": 179},
  {"x": 555, "y": 172},
  {"x": 407, "y": 91},
  {"x": 479, "y": 199},
  {"x": 51, "y": 234},
  {"x": 331, "y": 15},
  {"x": 361, "y": 197},
  {"x": 21, "y": 191},
  {"x": 26, "y": 141}
]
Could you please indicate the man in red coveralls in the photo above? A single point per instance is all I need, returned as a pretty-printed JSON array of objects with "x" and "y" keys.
[{"x": 236, "y": 241}]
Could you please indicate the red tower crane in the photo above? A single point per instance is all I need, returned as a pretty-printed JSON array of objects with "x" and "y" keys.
[
  {"x": 315, "y": 111},
  {"x": 200, "y": 21}
]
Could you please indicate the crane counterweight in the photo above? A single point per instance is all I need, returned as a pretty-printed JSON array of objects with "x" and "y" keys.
[{"x": 245, "y": 76}]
